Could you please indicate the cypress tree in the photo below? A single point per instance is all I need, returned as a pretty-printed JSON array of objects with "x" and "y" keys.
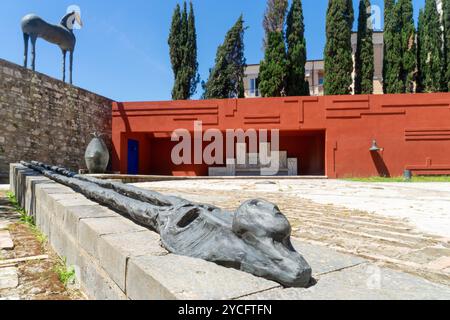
[
  {"x": 193, "y": 77},
  {"x": 273, "y": 69},
  {"x": 296, "y": 84},
  {"x": 183, "y": 53},
  {"x": 175, "y": 46},
  {"x": 392, "y": 63},
  {"x": 226, "y": 79},
  {"x": 181, "y": 79},
  {"x": 420, "y": 36},
  {"x": 446, "y": 22},
  {"x": 338, "y": 49},
  {"x": 364, "y": 57},
  {"x": 430, "y": 55},
  {"x": 409, "y": 50}
]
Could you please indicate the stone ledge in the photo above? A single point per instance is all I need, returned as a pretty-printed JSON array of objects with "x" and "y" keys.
[
  {"x": 115, "y": 258},
  {"x": 114, "y": 252},
  {"x": 9, "y": 67},
  {"x": 184, "y": 278},
  {"x": 90, "y": 231}
]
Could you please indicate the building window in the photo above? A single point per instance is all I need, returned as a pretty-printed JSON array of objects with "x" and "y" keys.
[
  {"x": 254, "y": 92},
  {"x": 321, "y": 80}
]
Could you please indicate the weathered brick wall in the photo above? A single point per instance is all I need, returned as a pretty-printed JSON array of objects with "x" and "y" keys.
[{"x": 44, "y": 119}]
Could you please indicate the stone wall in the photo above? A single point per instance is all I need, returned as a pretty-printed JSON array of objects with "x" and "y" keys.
[{"x": 44, "y": 119}]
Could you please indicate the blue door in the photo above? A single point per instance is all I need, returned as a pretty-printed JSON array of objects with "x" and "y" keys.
[{"x": 133, "y": 157}]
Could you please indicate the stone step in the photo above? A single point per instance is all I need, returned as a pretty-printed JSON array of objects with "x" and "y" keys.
[
  {"x": 337, "y": 219},
  {"x": 380, "y": 230},
  {"x": 336, "y": 231}
]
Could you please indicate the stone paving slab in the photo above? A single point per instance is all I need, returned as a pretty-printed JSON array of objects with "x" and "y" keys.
[
  {"x": 441, "y": 263},
  {"x": 176, "y": 277},
  {"x": 4, "y": 224},
  {"x": 363, "y": 282},
  {"x": 324, "y": 260},
  {"x": 9, "y": 278},
  {"x": 10, "y": 298},
  {"x": 6, "y": 242}
]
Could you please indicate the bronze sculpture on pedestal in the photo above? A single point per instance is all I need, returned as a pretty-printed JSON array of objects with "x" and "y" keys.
[{"x": 33, "y": 27}]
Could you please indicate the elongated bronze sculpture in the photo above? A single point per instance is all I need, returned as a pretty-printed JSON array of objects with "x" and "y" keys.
[
  {"x": 33, "y": 27},
  {"x": 254, "y": 239}
]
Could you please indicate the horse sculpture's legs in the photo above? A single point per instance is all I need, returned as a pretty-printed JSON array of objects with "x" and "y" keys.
[
  {"x": 33, "y": 52},
  {"x": 64, "y": 65},
  {"x": 71, "y": 65},
  {"x": 26, "y": 37}
]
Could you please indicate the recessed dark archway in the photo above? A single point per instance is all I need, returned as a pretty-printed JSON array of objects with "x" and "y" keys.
[{"x": 308, "y": 147}]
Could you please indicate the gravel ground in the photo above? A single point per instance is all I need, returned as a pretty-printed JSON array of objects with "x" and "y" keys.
[{"x": 38, "y": 279}]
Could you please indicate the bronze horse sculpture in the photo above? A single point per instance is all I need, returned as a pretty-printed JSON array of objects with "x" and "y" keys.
[{"x": 34, "y": 27}]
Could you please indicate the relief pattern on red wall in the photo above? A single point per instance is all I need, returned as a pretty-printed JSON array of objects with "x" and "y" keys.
[
  {"x": 427, "y": 134},
  {"x": 409, "y": 128}
]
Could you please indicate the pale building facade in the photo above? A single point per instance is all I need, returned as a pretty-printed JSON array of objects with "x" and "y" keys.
[
  {"x": 315, "y": 71},
  {"x": 378, "y": 53}
]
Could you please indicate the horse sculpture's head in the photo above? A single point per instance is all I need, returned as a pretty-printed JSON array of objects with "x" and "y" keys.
[
  {"x": 270, "y": 254},
  {"x": 68, "y": 21}
]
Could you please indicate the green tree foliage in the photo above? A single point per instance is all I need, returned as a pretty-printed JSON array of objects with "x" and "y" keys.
[
  {"x": 446, "y": 22},
  {"x": 364, "y": 57},
  {"x": 193, "y": 77},
  {"x": 273, "y": 68},
  {"x": 226, "y": 79},
  {"x": 183, "y": 53},
  {"x": 420, "y": 35},
  {"x": 296, "y": 85},
  {"x": 409, "y": 49},
  {"x": 431, "y": 54},
  {"x": 392, "y": 63},
  {"x": 338, "y": 49},
  {"x": 175, "y": 44}
]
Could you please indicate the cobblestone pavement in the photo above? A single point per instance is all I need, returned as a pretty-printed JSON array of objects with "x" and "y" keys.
[
  {"x": 389, "y": 241},
  {"x": 28, "y": 279}
]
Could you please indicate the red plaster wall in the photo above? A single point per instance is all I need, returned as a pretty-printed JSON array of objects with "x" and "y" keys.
[
  {"x": 162, "y": 164},
  {"x": 413, "y": 130}
]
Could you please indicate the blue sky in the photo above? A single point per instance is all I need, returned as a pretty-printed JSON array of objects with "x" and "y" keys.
[{"x": 122, "y": 51}]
